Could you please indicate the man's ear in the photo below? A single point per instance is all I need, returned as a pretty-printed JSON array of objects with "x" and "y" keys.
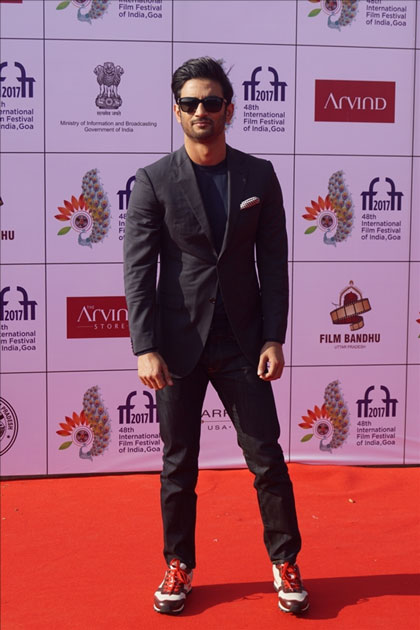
[
  {"x": 177, "y": 113},
  {"x": 229, "y": 113}
]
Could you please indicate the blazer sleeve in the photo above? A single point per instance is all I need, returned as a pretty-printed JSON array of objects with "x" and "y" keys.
[
  {"x": 141, "y": 250},
  {"x": 271, "y": 255}
]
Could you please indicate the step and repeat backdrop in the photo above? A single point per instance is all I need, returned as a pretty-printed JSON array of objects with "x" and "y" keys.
[{"x": 329, "y": 91}]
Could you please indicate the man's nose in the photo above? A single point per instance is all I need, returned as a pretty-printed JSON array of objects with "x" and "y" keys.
[{"x": 201, "y": 110}]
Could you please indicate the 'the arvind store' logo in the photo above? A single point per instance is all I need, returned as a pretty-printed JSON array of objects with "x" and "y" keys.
[
  {"x": 354, "y": 101},
  {"x": 99, "y": 316}
]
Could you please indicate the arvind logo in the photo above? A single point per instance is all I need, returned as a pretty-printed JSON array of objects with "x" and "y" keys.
[
  {"x": 216, "y": 419},
  {"x": 90, "y": 430},
  {"x": 89, "y": 214},
  {"x": 95, "y": 317},
  {"x": 332, "y": 215},
  {"x": 354, "y": 101},
  {"x": 329, "y": 423},
  {"x": 340, "y": 12},
  {"x": 88, "y": 10}
]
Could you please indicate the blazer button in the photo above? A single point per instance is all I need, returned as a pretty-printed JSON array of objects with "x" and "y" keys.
[{"x": 212, "y": 300}]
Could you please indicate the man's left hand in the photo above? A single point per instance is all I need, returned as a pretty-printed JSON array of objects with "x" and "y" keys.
[{"x": 271, "y": 364}]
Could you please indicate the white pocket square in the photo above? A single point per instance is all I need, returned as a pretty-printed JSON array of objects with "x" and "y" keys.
[{"x": 248, "y": 203}]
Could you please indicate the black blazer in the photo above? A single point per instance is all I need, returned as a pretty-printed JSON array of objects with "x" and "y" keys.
[{"x": 166, "y": 218}]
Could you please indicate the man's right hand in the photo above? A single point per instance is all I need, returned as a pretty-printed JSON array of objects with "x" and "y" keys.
[{"x": 153, "y": 371}]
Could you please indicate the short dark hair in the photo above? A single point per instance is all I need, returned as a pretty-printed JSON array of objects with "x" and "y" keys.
[{"x": 201, "y": 68}]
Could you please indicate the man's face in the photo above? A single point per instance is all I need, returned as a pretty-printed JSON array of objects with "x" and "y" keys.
[{"x": 203, "y": 126}]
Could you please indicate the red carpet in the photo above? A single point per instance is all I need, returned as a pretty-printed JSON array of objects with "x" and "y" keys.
[{"x": 85, "y": 553}]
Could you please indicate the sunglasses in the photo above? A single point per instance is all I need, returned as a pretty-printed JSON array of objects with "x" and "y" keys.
[{"x": 211, "y": 104}]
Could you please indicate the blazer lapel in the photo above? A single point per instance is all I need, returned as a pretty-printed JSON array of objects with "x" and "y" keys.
[
  {"x": 185, "y": 178},
  {"x": 236, "y": 186}
]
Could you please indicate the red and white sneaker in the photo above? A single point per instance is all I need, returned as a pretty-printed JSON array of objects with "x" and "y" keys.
[
  {"x": 172, "y": 592},
  {"x": 287, "y": 581}
]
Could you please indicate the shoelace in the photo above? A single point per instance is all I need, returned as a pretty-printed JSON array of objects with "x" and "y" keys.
[
  {"x": 175, "y": 577},
  {"x": 290, "y": 577}
]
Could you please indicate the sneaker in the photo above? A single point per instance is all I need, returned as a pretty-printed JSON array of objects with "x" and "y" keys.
[
  {"x": 292, "y": 596},
  {"x": 171, "y": 594}
]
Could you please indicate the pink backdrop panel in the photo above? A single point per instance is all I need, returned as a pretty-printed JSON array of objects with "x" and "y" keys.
[
  {"x": 329, "y": 94},
  {"x": 346, "y": 416}
]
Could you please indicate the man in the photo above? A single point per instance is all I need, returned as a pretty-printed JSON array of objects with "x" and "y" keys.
[{"x": 205, "y": 210}]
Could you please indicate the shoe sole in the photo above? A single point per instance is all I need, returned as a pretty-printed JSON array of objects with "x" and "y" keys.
[
  {"x": 291, "y": 611},
  {"x": 169, "y": 612}
]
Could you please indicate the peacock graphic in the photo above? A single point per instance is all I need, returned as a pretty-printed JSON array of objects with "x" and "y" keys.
[
  {"x": 345, "y": 9},
  {"x": 334, "y": 214},
  {"x": 330, "y": 423},
  {"x": 89, "y": 215},
  {"x": 96, "y": 8},
  {"x": 90, "y": 430}
]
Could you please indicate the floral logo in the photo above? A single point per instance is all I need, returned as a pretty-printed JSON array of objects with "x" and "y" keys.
[
  {"x": 90, "y": 430},
  {"x": 332, "y": 215},
  {"x": 345, "y": 9},
  {"x": 96, "y": 8},
  {"x": 89, "y": 214},
  {"x": 330, "y": 422}
]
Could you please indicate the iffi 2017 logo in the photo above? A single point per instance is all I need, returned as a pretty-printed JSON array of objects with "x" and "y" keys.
[
  {"x": 89, "y": 214},
  {"x": 26, "y": 313},
  {"x": 90, "y": 430},
  {"x": 87, "y": 10},
  {"x": 340, "y": 12},
  {"x": 365, "y": 409},
  {"x": 25, "y": 87},
  {"x": 125, "y": 193},
  {"x": 329, "y": 423},
  {"x": 332, "y": 215},
  {"x": 123, "y": 199},
  {"x": 394, "y": 201},
  {"x": 275, "y": 93},
  {"x": 128, "y": 416}
]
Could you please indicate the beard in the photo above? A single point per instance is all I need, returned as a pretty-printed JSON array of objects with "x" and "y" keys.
[{"x": 211, "y": 130}]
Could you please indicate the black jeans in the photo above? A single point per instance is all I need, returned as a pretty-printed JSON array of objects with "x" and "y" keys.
[{"x": 250, "y": 404}]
